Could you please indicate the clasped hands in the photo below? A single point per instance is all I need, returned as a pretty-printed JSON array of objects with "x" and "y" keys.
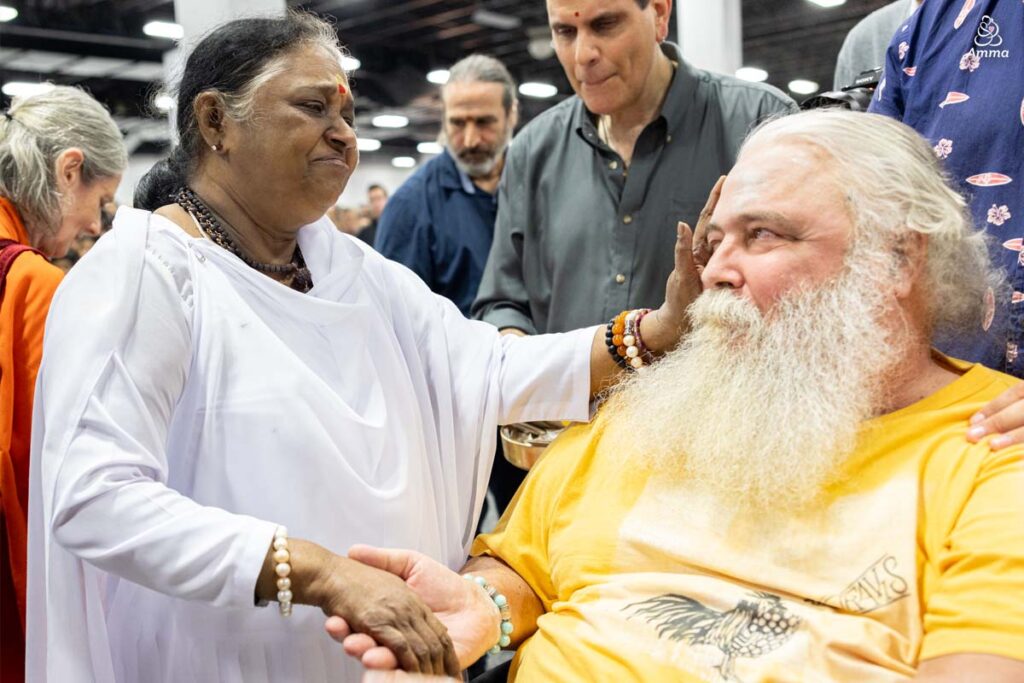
[{"x": 463, "y": 621}]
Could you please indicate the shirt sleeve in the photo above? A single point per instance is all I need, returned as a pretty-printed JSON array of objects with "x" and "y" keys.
[
  {"x": 888, "y": 97},
  {"x": 520, "y": 538},
  {"x": 976, "y": 605},
  {"x": 103, "y": 460},
  {"x": 502, "y": 299},
  {"x": 404, "y": 234}
]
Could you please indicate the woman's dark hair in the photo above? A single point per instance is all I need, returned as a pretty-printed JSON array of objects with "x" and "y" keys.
[{"x": 235, "y": 59}]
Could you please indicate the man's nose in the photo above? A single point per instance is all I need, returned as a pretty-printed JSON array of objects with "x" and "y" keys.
[
  {"x": 586, "y": 50},
  {"x": 471, "y": 136},
  {"x": 722, "y": 270}
]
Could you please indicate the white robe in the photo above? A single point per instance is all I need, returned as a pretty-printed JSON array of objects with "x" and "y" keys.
[{"x": 187, "y": 405}]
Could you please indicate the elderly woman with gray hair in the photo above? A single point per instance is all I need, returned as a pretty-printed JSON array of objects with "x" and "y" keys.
[{"x": 61, "y": 158}]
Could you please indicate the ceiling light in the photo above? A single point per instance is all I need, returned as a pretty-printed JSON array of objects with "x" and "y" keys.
[
  {"x": 496, "y": 20},
  {"x": 803, "y": 87},
  {"x": 751, "y": 73},
  {"x": 429, "y": 148},
  {"x": 8, "y": 13},
  {"x": 25, "y": 88},
  {"x": 403, "y": 162},
  {"x": 541, "y": 90},
  {"x": 164, "y": 29},
  {"x": 367, "y": 144},
  {"x": 350, "y": 63},
  {"x": 439, "y": 76},
  {"x": 390, "y": 121},
  {"x": 163, "y": 102},
  {"x": 828, "y": 3}
]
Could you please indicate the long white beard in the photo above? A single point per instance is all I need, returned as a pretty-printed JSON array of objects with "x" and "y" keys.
[{"x": 761, "y": 413}]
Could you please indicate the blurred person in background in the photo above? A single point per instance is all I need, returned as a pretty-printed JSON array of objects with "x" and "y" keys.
[
  {"x": 61, "y": 159},
  {"x": 256, "y": 392},
  {"x": 345, "y": 219},
  {"x": 440, "y": 222},
  {"x": 865, "y": 44},
  {"x": 376, "y": 200}
]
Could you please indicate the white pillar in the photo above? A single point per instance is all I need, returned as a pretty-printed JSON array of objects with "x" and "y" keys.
[
  {"x": 197, "y": 17},
  {"x": 711, "y": 34}
]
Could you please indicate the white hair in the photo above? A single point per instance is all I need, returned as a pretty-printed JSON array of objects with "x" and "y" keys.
[
  {"x": 35, "y": 131},
  {"x": 894, "y": 185}
]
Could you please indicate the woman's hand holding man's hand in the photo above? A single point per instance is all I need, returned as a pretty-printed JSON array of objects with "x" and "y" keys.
[{"x": 469, "y": 615}]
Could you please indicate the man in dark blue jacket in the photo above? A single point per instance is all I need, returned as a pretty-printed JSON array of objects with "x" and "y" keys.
[{"x": 440, "y": 222}]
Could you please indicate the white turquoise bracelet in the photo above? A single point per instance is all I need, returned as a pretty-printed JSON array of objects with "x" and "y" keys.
[{"x": 505, "y": 628}]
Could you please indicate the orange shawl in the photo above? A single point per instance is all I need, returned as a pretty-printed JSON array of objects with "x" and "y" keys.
[{"x": 31, "y": 283}]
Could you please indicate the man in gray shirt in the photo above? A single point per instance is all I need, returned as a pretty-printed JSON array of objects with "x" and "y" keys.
[
  {"x": 865, "y": 44},
  {"x": 594, "y": 187}
]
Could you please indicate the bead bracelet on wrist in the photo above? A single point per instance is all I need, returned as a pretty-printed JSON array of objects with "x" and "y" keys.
[
  {"x": 283, "y": 569},
  {"x": 505, "y": 628}
]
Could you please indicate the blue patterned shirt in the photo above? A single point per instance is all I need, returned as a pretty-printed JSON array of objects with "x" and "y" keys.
[{"x": 955, "y": 73}]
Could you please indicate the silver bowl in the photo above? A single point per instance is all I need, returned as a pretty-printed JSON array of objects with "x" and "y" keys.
[{"x": 523, "y": 443}]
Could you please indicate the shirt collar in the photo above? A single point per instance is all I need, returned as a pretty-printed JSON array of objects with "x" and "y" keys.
[
  {"x": 467, "y": 183},
  {"x": 681, "y": 92}
]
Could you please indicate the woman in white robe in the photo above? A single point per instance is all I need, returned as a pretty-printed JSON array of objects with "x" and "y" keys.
[{"x": 189, "y": 404}]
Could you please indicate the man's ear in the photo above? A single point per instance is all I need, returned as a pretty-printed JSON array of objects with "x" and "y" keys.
[
  {"x": 911, "y": 249},
  {"x": 210, "y": 116},
  {"x": 513, "y": 115},
  {"x": 662, "y": 17},
  {"x": 67, "y": 168}
]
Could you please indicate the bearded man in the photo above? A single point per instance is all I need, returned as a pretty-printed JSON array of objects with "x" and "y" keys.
[
  {"x": 787, "y": 496},
  {"x": 440, "y": 222}
]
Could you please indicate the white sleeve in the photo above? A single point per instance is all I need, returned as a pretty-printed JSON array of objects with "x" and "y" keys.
[
  {"x": 538, "y": 377},
  {"x": 104, "y": 466}
]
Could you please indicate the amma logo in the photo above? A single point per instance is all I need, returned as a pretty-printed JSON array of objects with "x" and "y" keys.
[{"x": 988, "y": 38}]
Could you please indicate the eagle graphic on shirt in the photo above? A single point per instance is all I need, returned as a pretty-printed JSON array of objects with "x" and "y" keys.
[{"x": 752, "y": 628}]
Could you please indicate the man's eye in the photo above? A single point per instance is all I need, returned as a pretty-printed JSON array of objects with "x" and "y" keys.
[
  {"x": 563, "y": 31},
  {"x": 762, "y": 234},
  {"x": 314, "y": 105}
]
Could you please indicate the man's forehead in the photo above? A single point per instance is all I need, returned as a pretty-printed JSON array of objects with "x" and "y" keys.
[
  {"x": 574, "y": 11},
  {"x": 473, "y": 96},
  {"x": 779, "y": 185}
]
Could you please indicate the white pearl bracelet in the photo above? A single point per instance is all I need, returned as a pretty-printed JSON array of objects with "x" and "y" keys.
[{"x": 283, "y": 568}]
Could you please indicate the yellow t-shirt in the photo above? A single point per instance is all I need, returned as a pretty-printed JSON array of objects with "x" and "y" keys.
[{"x": 918, "y": 553}]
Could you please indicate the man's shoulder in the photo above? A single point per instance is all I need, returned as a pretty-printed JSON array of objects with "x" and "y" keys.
[
  {"x": 423, "y": 177},
  {"x": 757, "y": 98},
  {"x": 550, "y": 125}
]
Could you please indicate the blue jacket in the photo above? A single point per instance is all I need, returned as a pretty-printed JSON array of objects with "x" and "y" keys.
[{"x": 440, "y": 225}]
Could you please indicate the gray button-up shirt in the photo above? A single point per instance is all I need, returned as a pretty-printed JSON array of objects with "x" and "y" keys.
[{"x": 579, "y": 237}]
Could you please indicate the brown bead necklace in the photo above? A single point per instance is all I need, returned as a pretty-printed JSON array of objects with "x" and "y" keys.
[{"x": 296, "y": 272}]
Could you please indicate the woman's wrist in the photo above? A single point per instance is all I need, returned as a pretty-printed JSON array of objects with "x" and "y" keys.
[
  {"x": 312, "y": 571},
  {"x": 659, "y": 337}
]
